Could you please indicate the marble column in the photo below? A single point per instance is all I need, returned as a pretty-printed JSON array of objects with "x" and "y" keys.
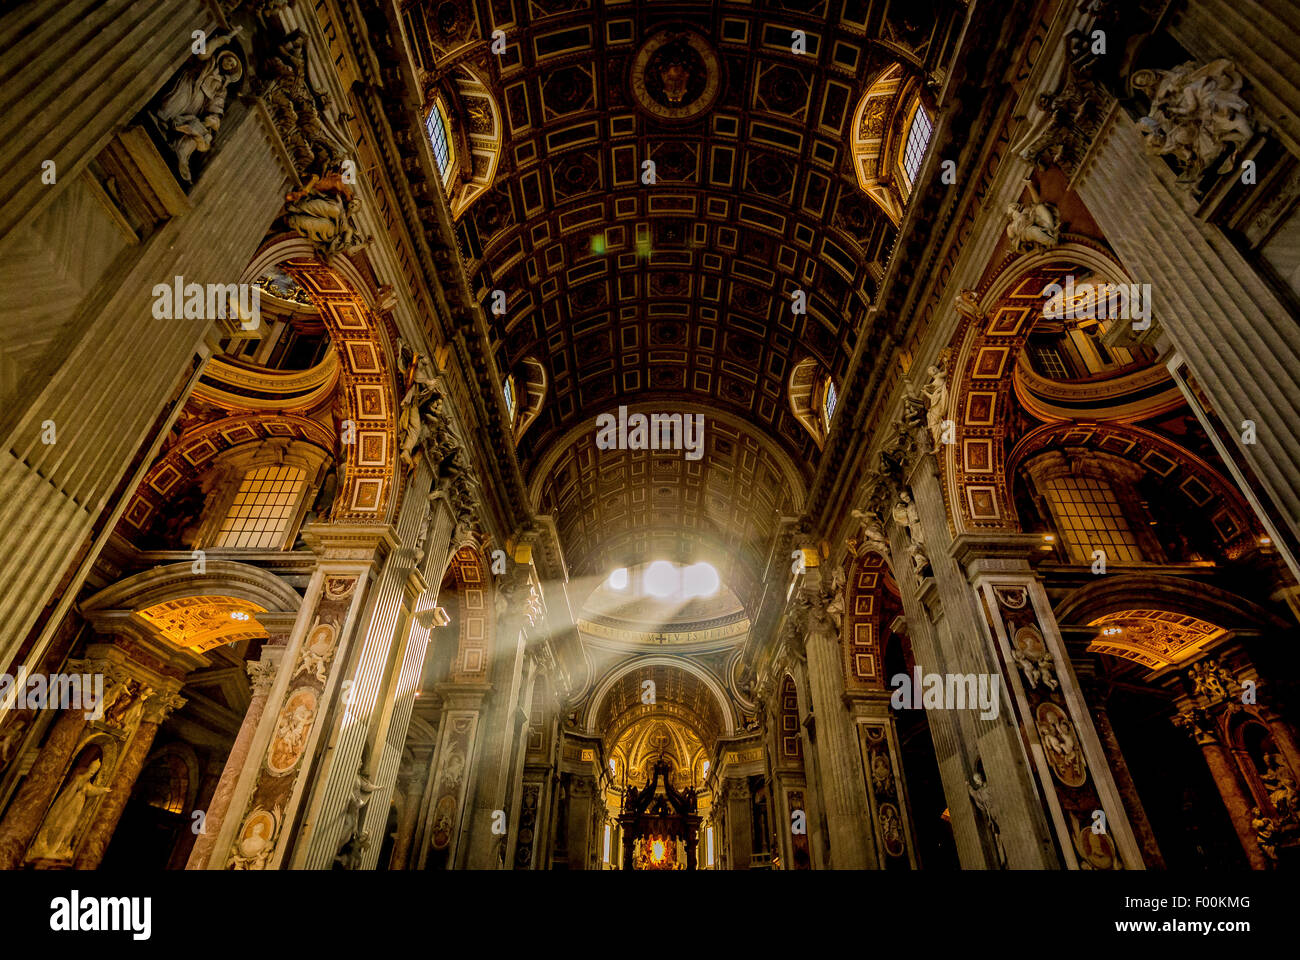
[
  {"x": 581, "y": 810},
  {"x": 109, "y": 812},
  {"x": 813, "y": 804},
  {"x": 269, "y": 799},
  {"x": 455, "y": 770},
  {"x": 739, "y": 824},
  {"x": 1137, "y": 815},
  {"x": 262, "y": 673},
  {"x": 950, "y": 635},
  {"x": 408, "y": 815},
  {"x": 1043, "y": 699},
  {"x": 1223, "y": 770},
  {"x": 843, "y": 785},
  {"x": 42, "y": 781},
  {"x": 382, "y": 684},
  {"x": 501, "y": 735},
  {"x": 1239, "y": 339}
]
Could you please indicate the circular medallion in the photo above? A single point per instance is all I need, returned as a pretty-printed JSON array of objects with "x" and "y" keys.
[
  {"x": 1060, "y": 742},
  {"x": 675, "y": 75},
  {"x": 292, "y": 729},
  {"x": 1096, "y": 849}
]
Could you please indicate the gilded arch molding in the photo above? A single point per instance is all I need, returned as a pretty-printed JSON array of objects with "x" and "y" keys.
[
  {"x": 995, "y": 326},
  {"x": 367, "y": 394},
  {"x": 612, "y": 679}
]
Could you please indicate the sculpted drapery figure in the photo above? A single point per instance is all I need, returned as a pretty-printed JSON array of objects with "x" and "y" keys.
[
  {"x": 191, "y": 111},
  {"x": 54, "y": 841},
  {"x": 1035, "y": 225},
  {"x": 907, "y": 516},
  {"x": 936, "y": 401},
  {"x": 983, "y": 799},
  {"x": 1197, "y": 112},
  {"x": 324, "y": 211}
]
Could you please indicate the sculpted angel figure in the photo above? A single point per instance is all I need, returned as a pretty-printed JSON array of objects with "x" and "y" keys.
[
  {"x": 1033, "y": 226},
  {"x": 1197, "y": 111}
]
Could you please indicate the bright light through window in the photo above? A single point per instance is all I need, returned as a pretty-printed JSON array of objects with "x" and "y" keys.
[
  {"x": 700, "y": 580},
  {"x": 666, "y": 580},
  {"x": 704, "y": 770},
  {"x": 661, "y": 579}
]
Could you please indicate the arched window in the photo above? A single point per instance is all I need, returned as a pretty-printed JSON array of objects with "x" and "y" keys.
[
  {"x": 828, "y": 402},
  {"x": 813, "y": 397},
  {"x": 918, "y": 138},
  {"x": 437, "y": 128},
  {"x": 264, "y": 506},
  {"x": 892, "y": 127},
  {"x": 508, "y": 388}
]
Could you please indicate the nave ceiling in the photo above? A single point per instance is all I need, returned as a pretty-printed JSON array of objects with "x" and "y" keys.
[{"x": 676, "y": 295}]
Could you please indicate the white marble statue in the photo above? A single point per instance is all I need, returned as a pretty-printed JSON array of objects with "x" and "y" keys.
[
  {"x": 1197, "y": 112},
  {"x": 983, "y": 799},
  {"x": 1033, "y": 226},
  {"x": 936, "y": 401},
  {"x": 191, "y": 111}
]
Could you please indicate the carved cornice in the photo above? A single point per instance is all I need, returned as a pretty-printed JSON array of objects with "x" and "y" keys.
[{"x": 390, "y": 106}]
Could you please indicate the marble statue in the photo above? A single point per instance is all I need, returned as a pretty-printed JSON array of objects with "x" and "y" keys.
[
  {"x": 935, "y": 393},
  {"x": 1210, "y": 680},
  {"x": 324, "y": 211},
  {"x": 1033, "y": 226},
  {"x": 1281, "y": 787},
  {"x": 190, "y": 113},
  {"x": 1264, "y": 828},
  {"x": 355, "y": 840},
  {"x": 907, "y": 516},
  {"x": 54, "y": 841},
  {"x": 982, "y": 796},
  {"x": 131, "y": 719},
  {"x": 873, "y": 532},
  {"x": 1197, "y": 113}
]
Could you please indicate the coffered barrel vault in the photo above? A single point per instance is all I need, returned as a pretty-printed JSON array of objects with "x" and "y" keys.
[{"x": 673, "y": 174}]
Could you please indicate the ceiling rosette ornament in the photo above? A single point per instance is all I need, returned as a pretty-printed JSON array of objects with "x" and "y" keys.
[{"x": 676, "y": 75}]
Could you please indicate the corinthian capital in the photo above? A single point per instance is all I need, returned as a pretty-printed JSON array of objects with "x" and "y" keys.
[
  {"x": 160, "y": 706},
  {"x": 1195, "y": 724}
]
